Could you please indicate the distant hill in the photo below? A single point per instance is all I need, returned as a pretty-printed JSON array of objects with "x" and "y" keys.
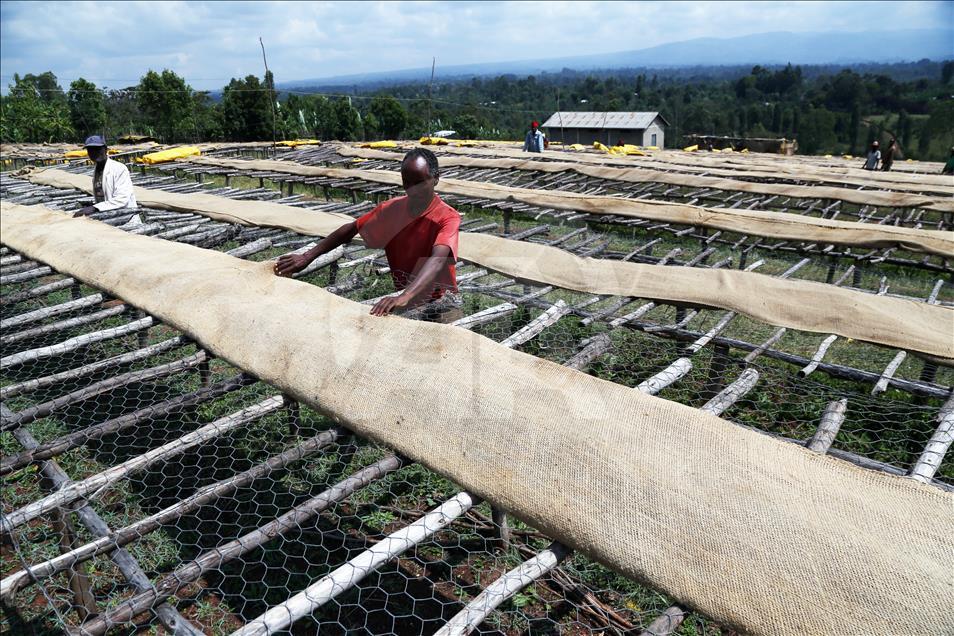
[{"x": 763, "y": 48}]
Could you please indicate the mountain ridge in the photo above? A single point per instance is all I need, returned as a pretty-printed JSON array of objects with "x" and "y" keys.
[{"x": 772, "y": 48}]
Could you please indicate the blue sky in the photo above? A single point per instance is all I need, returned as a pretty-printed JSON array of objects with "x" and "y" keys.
[{"x": 114, "y": 43}]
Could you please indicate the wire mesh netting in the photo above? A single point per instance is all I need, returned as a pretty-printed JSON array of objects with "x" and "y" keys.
[{"x": 189, "y": 495}]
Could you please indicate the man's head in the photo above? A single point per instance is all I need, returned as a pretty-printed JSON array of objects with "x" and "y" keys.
[
  {"x": 419, "y": 174},
  {"x": 875, "y": 144},
  {"x": 95, "y": 148},
  {"x": 534, "y": 125}
]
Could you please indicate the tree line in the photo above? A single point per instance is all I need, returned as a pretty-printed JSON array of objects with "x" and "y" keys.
[{"x": 827, "y": 110}]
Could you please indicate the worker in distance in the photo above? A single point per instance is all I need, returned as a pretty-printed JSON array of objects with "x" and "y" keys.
[{"x": 419, "y": 235}]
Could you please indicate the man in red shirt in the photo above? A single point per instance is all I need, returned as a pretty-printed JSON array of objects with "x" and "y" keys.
[{"x": 419, "y": 235}]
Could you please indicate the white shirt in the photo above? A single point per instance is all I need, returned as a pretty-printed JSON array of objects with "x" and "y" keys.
[{"x": 118, "y": 188}]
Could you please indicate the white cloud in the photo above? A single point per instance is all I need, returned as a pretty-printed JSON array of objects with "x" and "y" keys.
[{"x": 209, "y": 42}]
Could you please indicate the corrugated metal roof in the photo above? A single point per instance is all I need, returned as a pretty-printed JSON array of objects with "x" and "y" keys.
[{"x": 590, "y": 119}]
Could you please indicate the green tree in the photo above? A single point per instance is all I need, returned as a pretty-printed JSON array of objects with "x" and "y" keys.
[
  {"x": 247, "y": 110},
  {"x": 777, "y": 119},
  {"x": 853, "y": 125},
  {"x": 34, "y": 114},
  {"x": 165, "y": 101},
  {"x": 390, "y": 115},
  {"x": 371, "y": 126},
  {"x": 817, "y": 131},
  {"x": 904, "y": 128},
  {"x": 947, "y": 72},
  {"x": 87, "y": 108},
  {"x": 347, "y": 121},
  {"x": 48, "y": 87},
  {"x": 466, "y": 126}
]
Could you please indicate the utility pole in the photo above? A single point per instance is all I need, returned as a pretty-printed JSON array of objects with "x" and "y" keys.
[
  {"x": 560, "y": 115},
  {"x": 429, "y": 88},
  {"x": 271, "y": 100}
]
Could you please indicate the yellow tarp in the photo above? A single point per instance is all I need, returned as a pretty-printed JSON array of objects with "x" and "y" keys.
[
  {"x": 577, "y": 146},
  {"x": 692, "y": 148},
  {"x": 81, "y": 153},
  {"x": 433, "y": 141},
  {"x": 467, "y": 143},
  {"x": 169, "y": 155},
  {"x": 292, "y": 143},
  {"x": 627, "y": 149},
  {"x": 380, "y": 144},
  {"x": 600, "y": 146}
]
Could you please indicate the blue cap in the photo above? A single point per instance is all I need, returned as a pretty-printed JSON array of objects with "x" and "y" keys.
[{"x": 94, "y": 140}]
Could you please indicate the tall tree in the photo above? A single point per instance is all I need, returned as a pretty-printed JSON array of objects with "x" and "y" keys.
[
  {"x": 165, "y": 101},
  {"x": 33, "y": 112},
  {"x": 247, "y": 110},
  {"x": 853, "y": 125},
  {"x": 347, "y": 121},
  {"x": 390, "y": 115},
  {"x": 87, "y": 108}
]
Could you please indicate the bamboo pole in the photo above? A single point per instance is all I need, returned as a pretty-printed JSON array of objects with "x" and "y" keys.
[
  {"x": 216, "y": 557},
  {"x": 44, "y": 409},
  {"x": 672, "y": 373},
  {"x": 930, "y": 459},
  {"x": 829, "y": 426},
  {"x": 732, "y": 393},
  {"x": 48, "y": 312},
  {"x": 63, "y": 325},
  {"x": 127, "y": 565},
  {"x": 66, "y": 442},
  {"x": 17, "y": 581},
  {"x": 91, "y": 487},
  {"x": 77, "y": 342},
  {"x": 503, "y": 589},
  {"x": 538, "y": 324},
  {"x": 36, "y": 292},
  {"x": 35, "y": 384},
  {"x": 487, "y": 315},
  {"x": 351, "y": 573}
]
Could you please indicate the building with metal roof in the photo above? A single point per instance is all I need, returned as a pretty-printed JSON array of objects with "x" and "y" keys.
[{"x": 641, "y": 129}]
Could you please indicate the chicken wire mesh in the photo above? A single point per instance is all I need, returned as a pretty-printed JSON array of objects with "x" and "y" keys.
[{"x": 230, "y": 499}]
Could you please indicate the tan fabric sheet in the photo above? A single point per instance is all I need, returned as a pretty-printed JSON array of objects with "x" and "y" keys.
[
  {"x": 942, "y": 203},
  {"x": 804, "y": 305},
  {"x": 924, "y": 173},
  {"x": 755, "y": 532},
  {"x": 779, "y": 225},
  {"x": 624, "y": 170}
]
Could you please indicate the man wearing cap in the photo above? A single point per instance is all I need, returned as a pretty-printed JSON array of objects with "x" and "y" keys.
[
  {"x": 534, "y": 141},
  {"x": 112, "y": 185}
]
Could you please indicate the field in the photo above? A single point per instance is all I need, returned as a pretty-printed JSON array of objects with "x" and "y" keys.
[{"x": 233, "y": 519}]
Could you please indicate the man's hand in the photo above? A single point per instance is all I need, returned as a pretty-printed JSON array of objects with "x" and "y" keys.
[
  {"x": 291, "y": 264},
  {"x": 386, "y": 305},
  {"x": 85, "y": 211}
]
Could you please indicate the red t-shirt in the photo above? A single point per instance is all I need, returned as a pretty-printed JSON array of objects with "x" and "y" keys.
[{"x": 408, "y": 241}]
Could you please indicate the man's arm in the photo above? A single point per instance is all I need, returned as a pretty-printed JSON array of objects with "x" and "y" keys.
[
  {"x": 292, "y": 263},
  {"x": 421, "y": 285}
]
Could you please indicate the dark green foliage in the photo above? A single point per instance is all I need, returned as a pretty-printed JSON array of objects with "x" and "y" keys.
[
  {"x": 390, "y": 115},
  {"x": 347, "y": 121},
  {"x": 87, "y": 108},
  {"x": 35, "y": 110},
  {"x": 247, "y": 110},
  {"x": 165, "y": 101},
  {"x": 829, "y": 109}
]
